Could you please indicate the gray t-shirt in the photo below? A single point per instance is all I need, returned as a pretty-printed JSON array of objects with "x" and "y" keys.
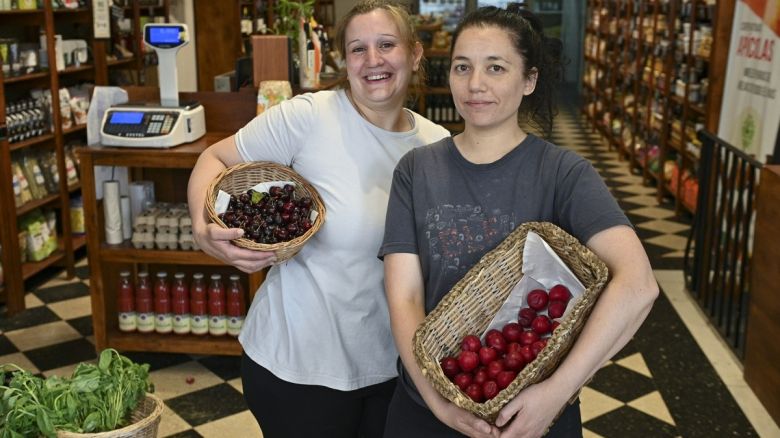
[{"x": 451, "y": 212}]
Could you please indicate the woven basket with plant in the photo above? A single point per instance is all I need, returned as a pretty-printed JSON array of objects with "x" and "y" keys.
[
  {"x": 473, "y": 302},
  {"x": 144, "y": 422},
  {"x": 109, "y": 399},
  {"x": 237, "y": 179}
]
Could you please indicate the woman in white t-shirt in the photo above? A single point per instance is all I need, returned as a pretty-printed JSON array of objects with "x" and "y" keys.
[{"x": 319, "y": 355}]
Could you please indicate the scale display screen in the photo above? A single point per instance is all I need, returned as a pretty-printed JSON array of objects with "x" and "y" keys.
[
  {"x": 126, "y": 117},
  {"x": 164, "y": 35}
]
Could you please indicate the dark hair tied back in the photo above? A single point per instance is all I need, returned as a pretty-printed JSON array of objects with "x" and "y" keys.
[{"x": 540, "y": 54}]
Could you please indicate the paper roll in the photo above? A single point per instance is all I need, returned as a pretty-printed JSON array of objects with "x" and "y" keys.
[
  {"x": 112, "y": 213},
  {"x": 141, "y": 194},
  {"x": 127, "y": 221}
]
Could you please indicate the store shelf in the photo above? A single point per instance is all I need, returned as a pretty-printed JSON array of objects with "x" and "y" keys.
[
  {"x": 126, "y": 253},
  {"x": 27, "y": 77},
  {"x": 74, "y": 128},
  {"x": 66, "y": 11},
  {"x": 30, "y": 142},
  {"x": 116, "y": 63},
  {"x": 32, "y": 205},
  {"x": 74, "y": 70},
  {"x": 79, "y": 241},
  {"x": 171, "y": 343},
  {"x": 697, "y": 109},
  {"x": 31, "y": 268}
]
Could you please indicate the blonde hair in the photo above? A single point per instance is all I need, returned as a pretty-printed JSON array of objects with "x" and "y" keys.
[{"x": 400, "y": 15}]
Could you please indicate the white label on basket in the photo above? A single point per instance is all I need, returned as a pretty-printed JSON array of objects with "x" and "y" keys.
[
  {"x": 265, "y": 186},
  {"x": 542, "y": 269},
  {"x": 223, "y": 200},
  {"x": 313, "y": 215}
]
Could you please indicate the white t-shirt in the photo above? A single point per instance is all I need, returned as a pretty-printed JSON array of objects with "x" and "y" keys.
[{"x": 321, "y": 318}]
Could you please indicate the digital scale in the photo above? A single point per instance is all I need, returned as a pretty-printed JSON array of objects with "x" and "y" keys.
[{"x": 157, "y": 126}]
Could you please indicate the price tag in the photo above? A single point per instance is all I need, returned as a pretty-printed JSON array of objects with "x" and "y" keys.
[{"x": 101, "y": 25}]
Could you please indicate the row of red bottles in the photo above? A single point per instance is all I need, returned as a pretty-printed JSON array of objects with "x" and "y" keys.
[{"x": 181, "y": 308}]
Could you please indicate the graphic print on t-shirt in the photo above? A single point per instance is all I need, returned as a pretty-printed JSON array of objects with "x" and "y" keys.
[{"x": 458, "y": 235}]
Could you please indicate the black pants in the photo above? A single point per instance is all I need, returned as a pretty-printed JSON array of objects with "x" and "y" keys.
[
  {"x": 408, "y": 419},
  {"x": 289, "y": 410}
]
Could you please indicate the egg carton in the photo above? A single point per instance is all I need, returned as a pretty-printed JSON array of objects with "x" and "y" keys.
[
  {"x": 145, "y": 222},
  {"x": 187, "y": 242},
  {"x": 166, "y": 240},
  {"x": 143, "y": 240},
  {"x": 168, "y": 222},
  {"x": 185, "y": 224}
]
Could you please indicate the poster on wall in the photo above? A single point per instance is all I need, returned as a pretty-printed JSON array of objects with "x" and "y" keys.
[{"x": 750, "y": 114}]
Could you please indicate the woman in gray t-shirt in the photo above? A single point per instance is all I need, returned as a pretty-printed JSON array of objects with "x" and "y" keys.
[{"x": 455, "y": 200}]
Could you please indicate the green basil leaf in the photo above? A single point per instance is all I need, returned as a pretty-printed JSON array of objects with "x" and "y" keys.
[{"x": 105, "y": 359}]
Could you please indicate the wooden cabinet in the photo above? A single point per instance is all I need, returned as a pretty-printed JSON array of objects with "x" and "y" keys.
[
  {"x": 434, "y": 100},
  {"x": 170, "y": 170},
  {"x": 762, "y": 353},
  {"x": 29, "y": 27},
  {"x": 652, "y": 81}
]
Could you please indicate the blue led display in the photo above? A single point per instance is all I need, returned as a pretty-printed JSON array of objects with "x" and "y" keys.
[
  {"x": 164, "y": 35},
  {"x": 126, "y": 117}
]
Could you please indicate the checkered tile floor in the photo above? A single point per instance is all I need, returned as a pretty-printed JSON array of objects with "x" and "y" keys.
[{"x": 661, "y": 384}]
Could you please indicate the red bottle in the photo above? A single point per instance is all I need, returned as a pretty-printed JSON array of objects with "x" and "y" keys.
[
  {"x": 163, "y": 320},
  {"x": 180, "y": 304},
  {"x": 236, "y": 307},
  {"x": 217, "y": 319},
  {"x": 144, "y": 306},
  {"x": 127, "y": 322},
  {"x": 199, "y": 317}
]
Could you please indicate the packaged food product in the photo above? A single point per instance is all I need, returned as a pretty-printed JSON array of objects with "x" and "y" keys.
[
  {"x": 23, "y": 246},
  {"x": 77, "y": 216},
  {"x": 66, "y": 117},
  {"x": 25, "y": 195},
  {"x": 79, "y": 102},
  {"x": 51, "y": 222},
  {"x": 48, "y": 162},
  {"x": 38, "y": 236},
  {"x": 34, "y": 174},
  {"x": 70, "y": 170}
]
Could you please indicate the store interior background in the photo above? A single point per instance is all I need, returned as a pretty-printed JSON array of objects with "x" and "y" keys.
[{"x": 678, "y": 377}]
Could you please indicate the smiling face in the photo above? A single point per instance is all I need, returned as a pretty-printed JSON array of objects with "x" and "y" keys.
[
  {"x": 379, "y": 63},
  {"x": 488, "y": 78}
]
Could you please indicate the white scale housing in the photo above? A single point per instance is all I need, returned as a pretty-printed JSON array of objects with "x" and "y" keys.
[{"x": 157, "y": 126}]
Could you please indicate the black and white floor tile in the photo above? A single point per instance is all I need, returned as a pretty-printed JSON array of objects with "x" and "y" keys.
[{"x": 661, "y": 384}]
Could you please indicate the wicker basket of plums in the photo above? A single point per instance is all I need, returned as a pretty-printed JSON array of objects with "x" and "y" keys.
[
  {"x": 277, "y": 208},
  {"x": 482, "y": 376}
]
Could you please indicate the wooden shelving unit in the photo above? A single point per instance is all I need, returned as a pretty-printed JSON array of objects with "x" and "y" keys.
[
  {"x": 225, "y": 114},
  {"x": 434, "y": 99},
  {"x": 647, "y": 65},
  {"x": 70, "y": 23}
]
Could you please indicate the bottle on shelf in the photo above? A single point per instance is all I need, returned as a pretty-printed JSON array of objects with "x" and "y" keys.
[
  {"x": 199, "y": 318},
  {"x": 127, "y": 321},
  {"x": 163, "y": 321},
  {"x": 217, "y": 318},
  {"x": 236, "y": 306},
  {"x": 180, "y": 304},
  {"x": 144, "y": 305}
]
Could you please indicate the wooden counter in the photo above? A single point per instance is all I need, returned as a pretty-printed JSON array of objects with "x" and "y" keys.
[
  {"x": 762, "y": 350},
  {"x": 170, "y": 169}
]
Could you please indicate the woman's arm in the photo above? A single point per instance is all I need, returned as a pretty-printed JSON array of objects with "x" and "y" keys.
[
  {"x": 212, "y": 238},
  {"x": 405, "y": 297},
  {"x": 620, "y": 310}
]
